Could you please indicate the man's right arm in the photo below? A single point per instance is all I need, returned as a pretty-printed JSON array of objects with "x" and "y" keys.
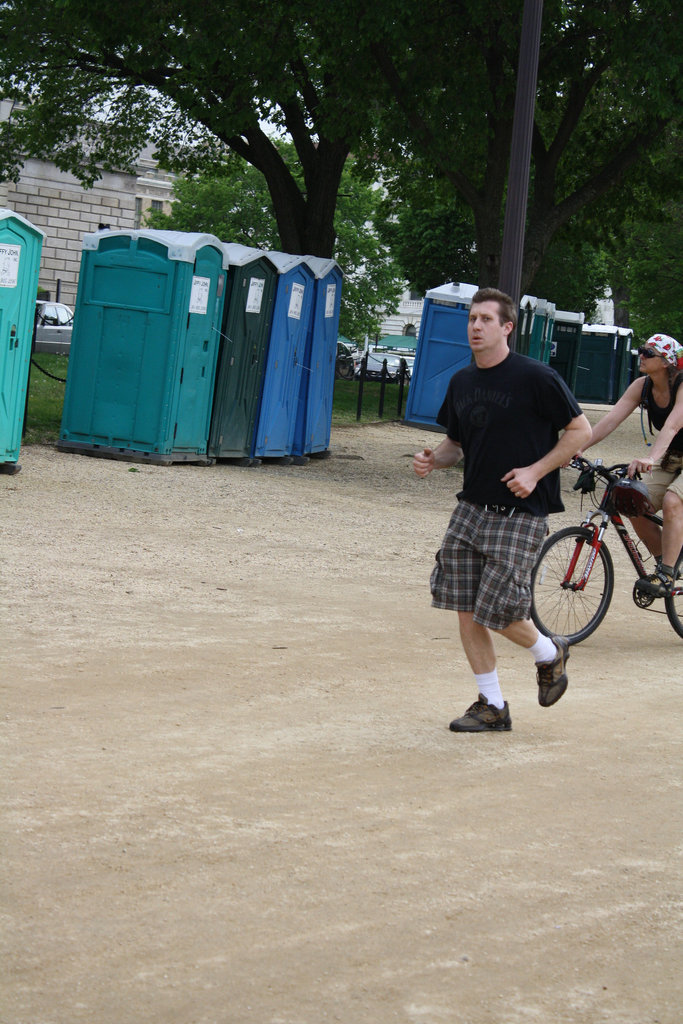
[{"x": 448, "y": 453}]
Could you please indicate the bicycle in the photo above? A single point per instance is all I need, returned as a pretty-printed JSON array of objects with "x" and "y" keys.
[{"x": 572, "y": 583}]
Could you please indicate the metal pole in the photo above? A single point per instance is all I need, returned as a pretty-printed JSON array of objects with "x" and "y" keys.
[{"x": 512, "y": 251}]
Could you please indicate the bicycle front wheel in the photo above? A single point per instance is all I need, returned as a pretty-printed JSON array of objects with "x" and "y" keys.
[{"x": 560, "y": 604}]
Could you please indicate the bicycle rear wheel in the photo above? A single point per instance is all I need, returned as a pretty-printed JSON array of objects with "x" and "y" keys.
[
  {"x": 556, "y": 606},
  {"x": 674, "y": 604}
]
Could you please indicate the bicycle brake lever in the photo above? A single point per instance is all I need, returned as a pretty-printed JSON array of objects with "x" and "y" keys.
[{"x": 586, "y": 482}]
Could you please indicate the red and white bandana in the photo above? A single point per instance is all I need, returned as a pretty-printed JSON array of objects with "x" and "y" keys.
[{"x": 667, "y": 347}]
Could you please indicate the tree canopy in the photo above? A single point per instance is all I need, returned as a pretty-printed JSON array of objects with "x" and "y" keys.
[
  {"x": 387, "y": 81},
  {"x": 94, "y": 81},
  {"x": 236, "y": 207},
  {"x": 609, "y": 95},
  {"x": 647, "y": 271}
]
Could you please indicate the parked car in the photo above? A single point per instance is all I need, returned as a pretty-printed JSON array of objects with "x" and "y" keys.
[
  {"x": 346, "y": 362},
  {"x": 54, "y": 323},
  {"x": 375, "y": 361}
]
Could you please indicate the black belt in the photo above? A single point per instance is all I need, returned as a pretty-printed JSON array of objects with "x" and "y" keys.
[{"x": 502, "y": 510}]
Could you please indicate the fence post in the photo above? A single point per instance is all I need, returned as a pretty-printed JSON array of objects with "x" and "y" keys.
[
  {"x": 361, "y": 382},
  {"x": 402, "y": 370},
  {"x": 382, "y": 388}
]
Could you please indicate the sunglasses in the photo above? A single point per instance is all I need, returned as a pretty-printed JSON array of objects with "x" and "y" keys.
[{"x": 647, "y": 353}]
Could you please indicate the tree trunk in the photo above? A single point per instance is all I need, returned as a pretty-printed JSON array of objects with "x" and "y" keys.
[
  {"x": 621, "y": 297},
  {"x": 488, "y": 226},
  {"x": 305, "y": 220},
  {"x": 321, "y": 198}
]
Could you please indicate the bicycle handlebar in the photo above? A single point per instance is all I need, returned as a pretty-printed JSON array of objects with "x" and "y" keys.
[{"x": 608, "y": 473}]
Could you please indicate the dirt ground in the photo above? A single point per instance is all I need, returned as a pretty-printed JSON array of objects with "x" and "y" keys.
[{"x": 230, "y": 792}]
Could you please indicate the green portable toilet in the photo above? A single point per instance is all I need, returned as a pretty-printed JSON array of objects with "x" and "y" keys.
[
  {"x": 20, "y": 248},
  {"x": 144, "y": 346},
  {"x": 248, "y": 311},
  {"x": 564, "y": 350},
  {"x": 535, "y": 327},
  {"x": 604, "y": 363}
]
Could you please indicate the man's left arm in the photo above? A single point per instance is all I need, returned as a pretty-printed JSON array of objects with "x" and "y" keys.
[{"x": 522, "y": 481}]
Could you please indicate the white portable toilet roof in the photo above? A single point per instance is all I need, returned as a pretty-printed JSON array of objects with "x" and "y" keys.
[
  {"x": 181, "y": 245},
  {"x": 239, "y": 254},
  {"x": 569, "y": 317},
  {"x": 5, "y": 214},
  {"x": 284, "y": 261},
  {"x": 536, "y": 303},
  {"x": 607, "y": 329},
  {"x": 320, "y": 266},
  {"x": 454, "y": 291}
]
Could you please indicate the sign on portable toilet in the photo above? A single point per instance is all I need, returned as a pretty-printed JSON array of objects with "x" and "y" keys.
[
  {"x": 442, "y": 349},
  {"x": 20, "y": 248},
  {"x": 564, "y": 350},
  {"x": 316, "y": 394},
  {"x": 279, "y": 399},
  {"x": 144, "y": 347},
  {"x": 247, "y": 317}
]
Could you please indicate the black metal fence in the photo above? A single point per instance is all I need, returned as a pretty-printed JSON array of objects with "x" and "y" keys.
[{"x": 402, "y": 378}]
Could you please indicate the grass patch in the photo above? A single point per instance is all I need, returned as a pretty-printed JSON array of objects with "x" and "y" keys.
[
  {"x": 46, "y": 399},
  {"x": 345, "y": 402}
]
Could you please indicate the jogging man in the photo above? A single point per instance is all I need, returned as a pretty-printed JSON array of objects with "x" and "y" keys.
[{"x": 515, "y": 422}]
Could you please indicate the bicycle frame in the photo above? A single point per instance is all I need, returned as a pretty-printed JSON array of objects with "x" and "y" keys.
[
  {"x": 598, "y": 531},
  {"x": 576, "y": 560},
  {"x": 624, "y": 536}
]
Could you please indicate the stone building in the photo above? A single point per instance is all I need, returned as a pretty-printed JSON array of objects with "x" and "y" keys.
[
  {"x": 406, "y": 319},
  {"x": 56, "y": 202}
]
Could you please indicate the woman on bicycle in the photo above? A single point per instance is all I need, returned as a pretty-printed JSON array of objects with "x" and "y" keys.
[{"x": 659, "y": 393}]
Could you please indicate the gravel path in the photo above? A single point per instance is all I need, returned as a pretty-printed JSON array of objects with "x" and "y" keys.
[{"x": 231, "y": 796}]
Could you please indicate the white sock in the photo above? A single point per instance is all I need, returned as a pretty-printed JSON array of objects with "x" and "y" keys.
[
  {"x": 489, "y": 687},
  {"x": 544, "y": 649}
]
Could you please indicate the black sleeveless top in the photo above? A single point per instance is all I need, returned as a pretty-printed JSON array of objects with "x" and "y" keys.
[{"x": 657, "y": 415}]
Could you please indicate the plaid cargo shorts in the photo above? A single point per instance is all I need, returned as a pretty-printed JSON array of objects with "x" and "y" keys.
[{"x": 484, "y": 564}]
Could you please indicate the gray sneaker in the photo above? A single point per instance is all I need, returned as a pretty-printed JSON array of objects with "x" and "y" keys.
[
  {"x": 551, "y": 676},
  {"x": 483, "y": 717}
]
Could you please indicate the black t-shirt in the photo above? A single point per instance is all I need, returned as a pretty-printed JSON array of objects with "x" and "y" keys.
[{"x": 506, "y": 417}]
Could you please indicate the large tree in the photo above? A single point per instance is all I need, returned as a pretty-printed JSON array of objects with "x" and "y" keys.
[
  {"x": 93, "y": 81},
  {"x": 433, "y": 239},
  {"x": 609, "y": 94},
  {"x": 236, "y": 207},
  {"x": 435, "y": 79}
]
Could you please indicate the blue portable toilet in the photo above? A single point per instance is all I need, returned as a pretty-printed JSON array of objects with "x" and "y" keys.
[
  {"x": 314, "y": 417},
  {"x": 21, "y": 244},
  {"x": 279, "y": 399},
  {"x": 442, "y": 349},
  {"x": 144, "y": 346},
  {"x": 604, "y": 363}
]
